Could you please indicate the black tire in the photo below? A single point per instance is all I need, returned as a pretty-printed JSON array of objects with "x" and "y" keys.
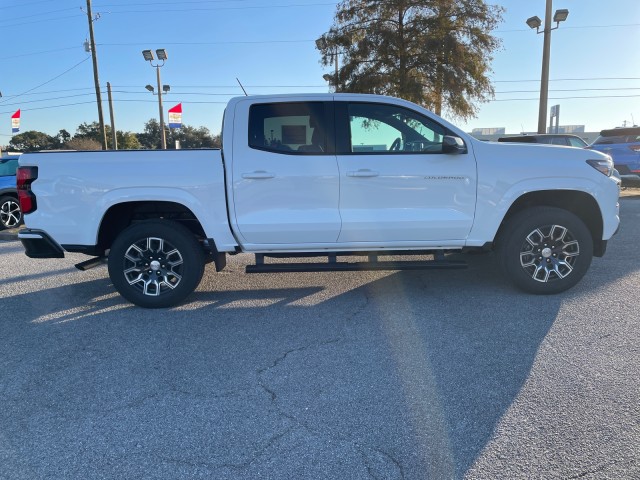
[
  {"x": 10, "y": 213},
  {"x": 156, "y": 264},
  {"x": 545, "y": 250}
]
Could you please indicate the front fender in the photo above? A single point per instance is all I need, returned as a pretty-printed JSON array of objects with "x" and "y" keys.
[{"x": 494, "y": 202}]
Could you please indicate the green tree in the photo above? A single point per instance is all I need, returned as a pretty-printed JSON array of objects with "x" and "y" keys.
[
  {"x": 83, "y": 143},
  {"x": 126, "y": 140},
  {"x": 91, "y": 131},
  {"x": 33, "y": 141},
  {"x": 188, "y": 136},
  {"x": 432, "y": 52},
  {"x": 63, "y": 136}
]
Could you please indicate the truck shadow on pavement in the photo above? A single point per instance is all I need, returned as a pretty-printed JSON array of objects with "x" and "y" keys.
[
  {"x": 406, "y": 375},
  {"x": 337, "y": 375}
]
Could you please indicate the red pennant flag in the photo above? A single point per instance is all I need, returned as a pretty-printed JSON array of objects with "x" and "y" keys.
[
  {"x": 175, "y": 116},
  {"x": 15, "y": 122}
]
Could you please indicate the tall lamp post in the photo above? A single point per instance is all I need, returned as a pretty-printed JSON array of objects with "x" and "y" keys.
[
  {"x": 535, "y": 22},
  {"x": 162, "y": 56}
]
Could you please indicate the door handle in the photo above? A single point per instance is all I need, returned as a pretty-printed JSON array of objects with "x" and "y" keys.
[
  {"x": 363, "y": 173},
  {"x": 258, "y": 175}
]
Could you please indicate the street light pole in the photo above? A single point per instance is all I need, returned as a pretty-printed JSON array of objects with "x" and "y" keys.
[
  {"x": 544, "y": 79},
  {"x": 163, "y": 136},
  {"x": 535, "y": 22},
  {"x": 162, "y": 55}
]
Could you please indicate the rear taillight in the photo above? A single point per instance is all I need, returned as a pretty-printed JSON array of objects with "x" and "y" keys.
[{"x": 24, "y": 178}]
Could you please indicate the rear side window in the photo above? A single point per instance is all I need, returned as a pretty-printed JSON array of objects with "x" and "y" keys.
[
  {"x": 8, "y": 168},
  {"x": 290, "y": 128}
]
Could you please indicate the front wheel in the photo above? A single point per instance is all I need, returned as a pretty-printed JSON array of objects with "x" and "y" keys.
[
  {"x": 545, "y": 250},
  {"x": 156, "y": 264}
]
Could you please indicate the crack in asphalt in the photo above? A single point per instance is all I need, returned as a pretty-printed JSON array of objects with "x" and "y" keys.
[
  {"x": 594, "y": 470},
  {"x": 364, "y": 450}
]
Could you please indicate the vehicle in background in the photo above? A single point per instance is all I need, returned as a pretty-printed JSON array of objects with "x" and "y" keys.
[
  {"x": 561, "y": 139},
  {"x": 623, "y": 146},
  {"x": 10, "y": 213}
]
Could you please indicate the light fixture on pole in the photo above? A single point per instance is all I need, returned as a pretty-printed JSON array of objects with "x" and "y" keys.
[
  {"x": 535, "y": 22},
  {"x": 162, "y": 90}
]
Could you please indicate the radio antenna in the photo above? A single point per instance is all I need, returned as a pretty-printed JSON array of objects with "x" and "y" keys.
[{"x": 245, "y": 92}]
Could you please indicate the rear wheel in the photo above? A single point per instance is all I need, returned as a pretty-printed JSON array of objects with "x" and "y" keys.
[
  {"x": 545, "y": 250},
  {"x": 10, "y": 213},
  {"x": 156, "y": 264}
]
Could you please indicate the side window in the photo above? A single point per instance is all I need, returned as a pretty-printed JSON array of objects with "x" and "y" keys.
[
  {"x": 291, "y": 128},
  {"x": 386, "y": 128},
  {"x": 559, "y": 141},
  {"x": 574, "y": 142},
  {"x": 8, "y": 168}
]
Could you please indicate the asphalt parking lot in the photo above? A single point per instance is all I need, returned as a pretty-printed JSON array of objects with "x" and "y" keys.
[{"x": 357, "y": 375}]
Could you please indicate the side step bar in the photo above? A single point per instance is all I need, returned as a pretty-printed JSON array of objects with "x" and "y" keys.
[{"x": 333, "y": 265}]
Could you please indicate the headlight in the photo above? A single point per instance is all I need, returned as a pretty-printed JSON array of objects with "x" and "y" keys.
[{"x": 603, "y": 166}]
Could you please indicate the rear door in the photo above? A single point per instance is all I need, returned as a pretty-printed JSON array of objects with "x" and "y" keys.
[{"x": 285, "y": 181}]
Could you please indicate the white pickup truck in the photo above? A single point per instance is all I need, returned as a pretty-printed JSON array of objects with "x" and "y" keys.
[{"x": 341, "y": 176}]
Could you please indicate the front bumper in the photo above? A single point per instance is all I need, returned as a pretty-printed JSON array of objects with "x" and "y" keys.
[{"x": 38, "y": 244}]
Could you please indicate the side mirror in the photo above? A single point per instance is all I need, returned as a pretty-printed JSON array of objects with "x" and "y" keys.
[{"x": 453, "y": 145}]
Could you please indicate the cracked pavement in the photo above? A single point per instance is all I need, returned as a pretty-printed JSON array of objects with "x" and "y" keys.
[{"x": 353, "y": 375}]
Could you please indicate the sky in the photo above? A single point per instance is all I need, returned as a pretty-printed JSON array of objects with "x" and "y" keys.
[{"x": 269, "y": 46}]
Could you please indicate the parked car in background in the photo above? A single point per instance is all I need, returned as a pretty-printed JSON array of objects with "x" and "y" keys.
[
  {"x": 562, "y": 139},
  {"x": 10, "y": 213},
  {"x": 623, "y": 146}
]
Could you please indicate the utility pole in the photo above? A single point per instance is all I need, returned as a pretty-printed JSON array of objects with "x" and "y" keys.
[
  {"x": 96, "y": 80},
  {"x": 114, "y": 139}
]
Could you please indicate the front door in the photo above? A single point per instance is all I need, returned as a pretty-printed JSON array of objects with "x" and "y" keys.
[{"x": 396, "y": 185}]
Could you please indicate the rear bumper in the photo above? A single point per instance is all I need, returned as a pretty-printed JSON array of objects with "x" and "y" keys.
[{"x": 38, "y": 244}]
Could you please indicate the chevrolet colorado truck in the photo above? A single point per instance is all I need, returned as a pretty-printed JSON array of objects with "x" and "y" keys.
[{"x": 341, "y": 176}]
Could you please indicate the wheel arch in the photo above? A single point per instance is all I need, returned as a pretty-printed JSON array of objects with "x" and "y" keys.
[
  {"x": 9, "y": 193},
  {"x": 581, "y": 204},
  {"x": 121, "y": 215}
]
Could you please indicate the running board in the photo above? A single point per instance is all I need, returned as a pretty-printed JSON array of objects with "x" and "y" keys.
[
  {"x": 91, "y": 263},
  {"x": 333, "y": 266}
]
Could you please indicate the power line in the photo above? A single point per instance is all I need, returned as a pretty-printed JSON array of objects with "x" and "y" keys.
[
  {"x": 9, "y": 25},
  {"x": 49, "y": 81},
  {"x": 179, "y": 10},
  {"x": 44, "y": 13},
  {"x": 27, "y": 4},
  {"x": 575, "y": 27},
  {"x": 38, "y": 53},
  {"x": 568, "y": 79},
  {"x": 564, "y": 98}
]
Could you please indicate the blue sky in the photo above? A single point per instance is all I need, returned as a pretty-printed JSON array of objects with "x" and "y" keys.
[{"x": 269, "y": 46}]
